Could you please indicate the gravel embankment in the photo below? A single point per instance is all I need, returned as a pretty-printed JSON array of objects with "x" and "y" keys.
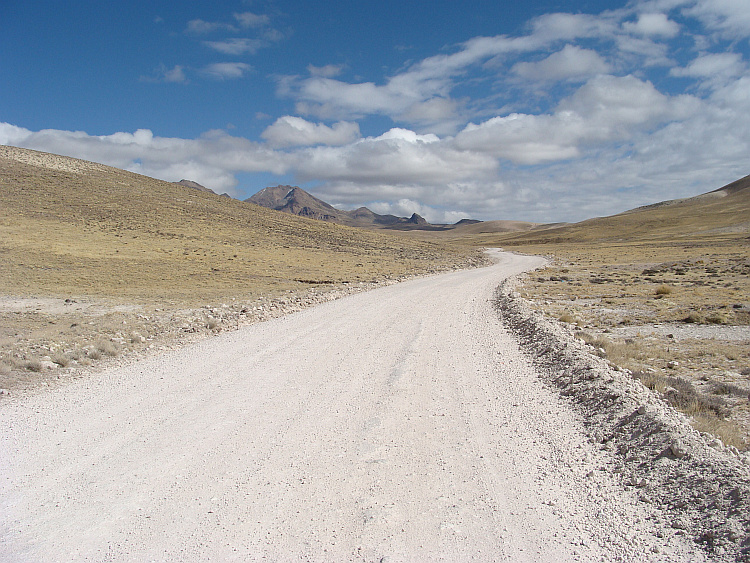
[{"x": 702, "y": 488}]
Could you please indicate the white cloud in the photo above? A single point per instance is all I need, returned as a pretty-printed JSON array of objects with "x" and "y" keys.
[
  {"x": 397, "y": 157},
  {"x": 201, "y": 27},
  {"x": 290, "y": 131},
  {"x": 713, "y": 68},
  {"x": 212, "y": 159},
  {"x": 175, "y": 74},
  {"x": 327, "y": 71},
  {"x": 236, "y": 46},
  {"x": 249, "y": 19},
  {"x": 571, "y": 63},
  {"x": 653, "y": 24},
  {"x": 226, "y": 71},
  {"x": 604, "y": 109},
  {"x": 406, "y": 207},
  {"x": 729, "y": 17}
]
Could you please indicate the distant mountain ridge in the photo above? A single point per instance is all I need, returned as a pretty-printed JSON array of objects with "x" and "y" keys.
[
  {"x": 295, "y": 200},
  {"x": 197, "y": 186}
]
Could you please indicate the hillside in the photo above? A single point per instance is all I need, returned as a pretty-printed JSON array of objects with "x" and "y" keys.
[
  {"x": 662, "y": 291},
  {"x": 723, "y": 214},
  {"x": 70, "y": 227}
]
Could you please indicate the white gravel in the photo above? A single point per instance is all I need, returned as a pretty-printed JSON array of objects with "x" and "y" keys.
[{"x": 402, "y": 424}]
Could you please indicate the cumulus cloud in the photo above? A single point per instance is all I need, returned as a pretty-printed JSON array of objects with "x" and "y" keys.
[
  {"x": 713, "y": 69},
  {"x": 327, "y": 71},
  {"x": 249, "y": 19},
  {"x": 730, "y": 17},
  {"x": 398, "y": 156},
  {"x": 569, "y": 64},
  {"x": 290, "y": 131},
  {"x": 200, "y": 27},
  {"x": 604, "y": 109},
  {"x": 405, "y": 207},
  {"x": 653, "y": 24}
]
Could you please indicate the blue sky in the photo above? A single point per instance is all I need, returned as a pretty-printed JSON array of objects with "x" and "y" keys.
[{"x": 543, "y": 111}]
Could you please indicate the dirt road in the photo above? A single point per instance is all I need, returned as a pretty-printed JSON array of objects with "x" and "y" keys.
[{"x": 402, "y": 424}]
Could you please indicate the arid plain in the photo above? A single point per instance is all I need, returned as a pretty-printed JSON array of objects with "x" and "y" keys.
[
  {"x": 100, "y": 264},
  {"x": 103, "y": 267}
]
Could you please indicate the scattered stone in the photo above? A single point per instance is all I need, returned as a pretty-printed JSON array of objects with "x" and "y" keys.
[{"x": 678, "y": 449}]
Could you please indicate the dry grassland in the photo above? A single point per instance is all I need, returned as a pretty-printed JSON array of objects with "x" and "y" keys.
[
  {"x": 662, "y": 291},
  {"x": 676, "y": 316},
  {"x": 93, "y": 255}
]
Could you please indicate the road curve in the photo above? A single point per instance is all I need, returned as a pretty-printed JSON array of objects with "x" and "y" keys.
[{"x": 401, "y": 424}]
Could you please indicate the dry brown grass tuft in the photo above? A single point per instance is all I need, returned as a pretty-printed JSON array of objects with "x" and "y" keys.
[{"x": 664, "y": 289}]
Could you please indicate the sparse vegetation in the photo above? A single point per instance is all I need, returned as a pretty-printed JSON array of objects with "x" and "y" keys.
[
  {"x": 134, "y": 256},
  {"x": 664, "y": 289}
]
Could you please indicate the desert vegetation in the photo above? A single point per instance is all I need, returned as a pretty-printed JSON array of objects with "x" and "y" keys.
[{"x": 680, "y": 325}]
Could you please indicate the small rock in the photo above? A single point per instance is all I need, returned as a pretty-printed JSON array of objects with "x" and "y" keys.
[
  {"x": 716, "y": 444},
  {"x": 673, "y": 364},
  {"x": 642, "y": 409},
  {"x": 678, "y": 449}
]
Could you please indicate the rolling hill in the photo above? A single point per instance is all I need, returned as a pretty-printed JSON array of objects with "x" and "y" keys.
[
  {"x": 722, "y": 214},
  {"x": 72, "y": 227}
]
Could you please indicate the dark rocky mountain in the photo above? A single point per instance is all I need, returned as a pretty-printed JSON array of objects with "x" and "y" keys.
[{"x": 294, "y": 200}]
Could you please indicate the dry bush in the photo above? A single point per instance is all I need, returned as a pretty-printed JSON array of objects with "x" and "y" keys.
[
  {"x": 724, "y": 388},
  {"x": 61, "y": 360},
  {"x": 653, "y": 381},
  {"x": 664, "y": 289},
  {"x": 93, "y": 354},
  {"x": 681, "y": 395},
  {"x": 567, "y": 317},
  {"x": 726, "y": 430},
  {"x": 719, "y": 317},
  {"x": 33, "y": 365},
  {"x": 695, "y": 318},
  {"x": 107, "y": 348}
]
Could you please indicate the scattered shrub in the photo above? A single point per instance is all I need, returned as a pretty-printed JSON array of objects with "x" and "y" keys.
[
  {"x": 34, "y": 365},
  {"x": 107, "y": 348},
  {"x": 694, "y": 317},
  {"x": 664, "y": 290},
  {"x": 61, "y": 360},
  {"x": 566, "y": 317},
  {"x": 727, "y": 430},
  {"x": 718, "y": 317}
]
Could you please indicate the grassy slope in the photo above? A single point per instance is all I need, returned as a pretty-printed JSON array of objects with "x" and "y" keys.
[
  {"x": 716, "y": 217},
  {"x": 68, "y": 227}
]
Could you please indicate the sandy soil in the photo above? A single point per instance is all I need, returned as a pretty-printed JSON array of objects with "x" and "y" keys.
[{"x": 402, "y": 424}]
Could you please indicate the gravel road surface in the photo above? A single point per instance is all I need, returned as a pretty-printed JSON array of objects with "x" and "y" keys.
[{"x": 401, "y": 424}]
